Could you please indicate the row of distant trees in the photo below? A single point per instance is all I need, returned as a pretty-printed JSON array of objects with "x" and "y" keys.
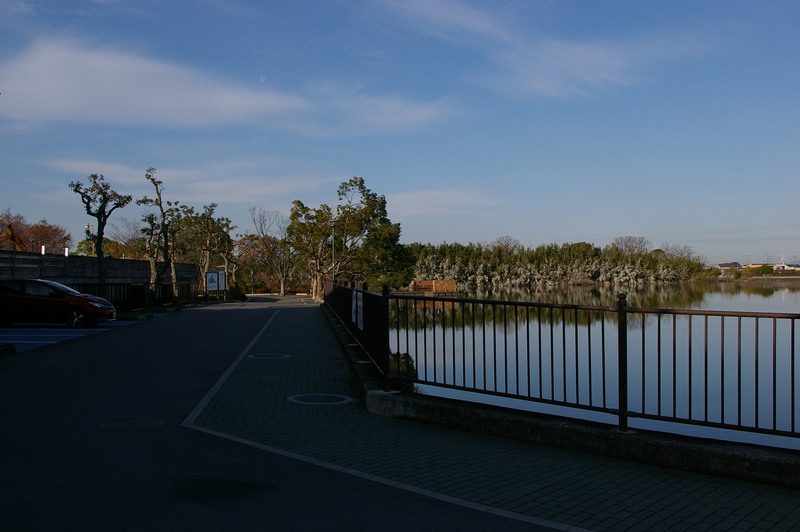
[
  {"x": 168, "y": 233},
  {"x": 353, "y": 240},
  {"x": 505, "y": 263}
]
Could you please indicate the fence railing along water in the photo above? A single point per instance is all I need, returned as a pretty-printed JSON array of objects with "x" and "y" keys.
[{"x": 713, "y": 369}]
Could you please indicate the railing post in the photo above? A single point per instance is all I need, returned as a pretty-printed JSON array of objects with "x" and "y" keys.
[
  {"x": 622, "y": 360},
  {"x": 383, "y": 334}
]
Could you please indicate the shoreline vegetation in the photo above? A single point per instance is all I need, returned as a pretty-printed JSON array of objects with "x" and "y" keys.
[{"x": 505, "y": 264}]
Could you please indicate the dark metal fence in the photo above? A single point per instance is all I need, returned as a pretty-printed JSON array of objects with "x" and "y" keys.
[
  {"x": 365, "y": 314},
  {"x": 133, "y": 297},
  {"x": 724, "y": 370}
]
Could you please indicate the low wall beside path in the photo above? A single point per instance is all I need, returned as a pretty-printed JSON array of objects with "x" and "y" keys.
[{"x": 78, "y": 269}]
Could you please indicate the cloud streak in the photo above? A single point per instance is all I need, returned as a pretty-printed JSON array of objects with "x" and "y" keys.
[
  {"x": 543, "y": 66},
  {"x": 64, "y": 81},
  {"x": 353, "y": 110},
  {"x": 60, "y": 81}
]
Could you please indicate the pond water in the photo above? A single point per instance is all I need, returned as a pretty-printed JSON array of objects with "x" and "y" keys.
[
  {"x": 759, "y": 295},
  {"x": 729, "y": 371}
]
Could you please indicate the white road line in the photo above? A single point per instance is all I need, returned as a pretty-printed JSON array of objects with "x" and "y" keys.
[{"x": 190, "y": 419}]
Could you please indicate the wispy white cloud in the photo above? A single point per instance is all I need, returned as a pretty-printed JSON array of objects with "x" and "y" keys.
[
  {"x": 557, "y": 69},
  {"x": 451, "y": 19},
  {"x": 66, "y": 81},
  {"x": 519, "y": 64},
  {"x": 16, "y": 7},
  {"x": 342, "y": 109},
  {"x": 62, "y": 81}
]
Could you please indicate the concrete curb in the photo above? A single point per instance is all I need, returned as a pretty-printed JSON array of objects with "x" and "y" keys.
[{"x": 740, "y": 461}]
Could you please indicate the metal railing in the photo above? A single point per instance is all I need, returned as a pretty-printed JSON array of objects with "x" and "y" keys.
[
  {"x": 723, "y": 370},
  {"x": 139, "y": 296},
  {"x": 365, "y": 314}
]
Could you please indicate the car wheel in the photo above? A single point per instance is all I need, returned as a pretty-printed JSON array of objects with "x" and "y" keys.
[{"x": 76, "y": 318}]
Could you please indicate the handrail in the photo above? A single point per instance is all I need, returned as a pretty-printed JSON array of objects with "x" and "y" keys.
[{"x": 715, "y": 369}]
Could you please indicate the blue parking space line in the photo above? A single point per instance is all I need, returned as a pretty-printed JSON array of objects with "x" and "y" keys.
[{"x": 27, "y": 336}]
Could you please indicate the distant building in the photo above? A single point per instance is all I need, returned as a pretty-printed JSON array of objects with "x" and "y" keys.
[
  {"x": 783, "y": 266},
  {"x": 729, "y": 266}
]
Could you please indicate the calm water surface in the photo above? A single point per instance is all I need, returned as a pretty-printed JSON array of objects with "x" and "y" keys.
[
  {"x": 754, "y": 296},
  {"x": 708, "y": 368}
]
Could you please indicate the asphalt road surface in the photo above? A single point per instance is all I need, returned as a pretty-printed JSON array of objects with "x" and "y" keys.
[
  {"x": 27, "y": 336},
  {"x": 92, "y": 440}
]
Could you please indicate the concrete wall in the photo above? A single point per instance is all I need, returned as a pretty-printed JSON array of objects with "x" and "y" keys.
[{"x": 77, "y": 269}]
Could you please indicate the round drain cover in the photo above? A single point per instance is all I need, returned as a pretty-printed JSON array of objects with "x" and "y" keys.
[
  {"x": 131, "y": 424},
  {"x": 267, "y": 356},
  {"x": 319, "y": 399}
]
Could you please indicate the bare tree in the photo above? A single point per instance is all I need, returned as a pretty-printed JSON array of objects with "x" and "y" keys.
[
  {"x": 506, "y": 243},
  {"x": 632, "y": 244},
  {"x": 127, "y": 232},
  {"x": 159, "y": 228},
  {"x": 100, "y": 201},
  {"x": 270, "y": 227}
]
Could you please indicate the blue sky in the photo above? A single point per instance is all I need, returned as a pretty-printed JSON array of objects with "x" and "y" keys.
[{"x": 546, "y": 121}]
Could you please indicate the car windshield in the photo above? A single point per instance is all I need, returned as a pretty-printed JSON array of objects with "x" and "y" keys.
[{"x": 63, "y": 288}]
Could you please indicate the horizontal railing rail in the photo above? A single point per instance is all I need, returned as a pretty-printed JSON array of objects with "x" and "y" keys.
[
  {"x": 717, "y": 369},
  {"x": 528, "y": 351},
  {"x": 139, "y": 296},
  {"x": 365, "y": 315},
  {"x": 729, "y": 370}
]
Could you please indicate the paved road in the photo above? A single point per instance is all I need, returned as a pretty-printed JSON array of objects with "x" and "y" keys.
[
  {"x": 27, "y": 336},
  {"x": 94, "y": 437},
  {"x": 185, "y": 423}
]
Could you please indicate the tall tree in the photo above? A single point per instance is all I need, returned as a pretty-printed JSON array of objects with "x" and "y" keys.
[
  {"x": 99, "y": 200},
  {"x": 366, "y": 242},
  {"x": 632, "y": 244},
  {"x": 349, "y": 243},
  {"x": 208, "y": 238},
  {"x": 278, "y": 256},
  {"x": 127, "y": 232},
  {"x": 309, "y": 234},
  {"x": 159, "y": 228}
]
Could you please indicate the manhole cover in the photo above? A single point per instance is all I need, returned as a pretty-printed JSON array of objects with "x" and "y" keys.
[
  {"x": 319, "y": 399},
  {"x": 131, "y": 424},
  {"x": 267, "y": 356}
]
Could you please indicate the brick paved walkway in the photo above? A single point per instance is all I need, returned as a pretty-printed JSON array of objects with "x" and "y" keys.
[{"x": 297, "y": 354}]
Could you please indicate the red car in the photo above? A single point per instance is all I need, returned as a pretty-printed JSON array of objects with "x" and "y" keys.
[{"x": 37, "y": 300}]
